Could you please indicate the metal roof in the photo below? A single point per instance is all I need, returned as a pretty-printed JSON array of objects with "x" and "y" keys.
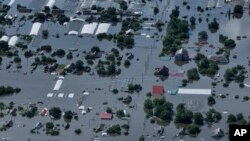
[
  {"x": 89, "y": 28},
  {"x": 13, "y": 40},
  {"x": 102, "y": 28},
  {"x": 195, "y": 91},
  {"x": 35, "y": 28}
]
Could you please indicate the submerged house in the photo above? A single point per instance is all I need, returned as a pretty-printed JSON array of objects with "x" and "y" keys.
[
  {"x": 163, "y": 71},
  {"x": 106, "y": 116},
  {"x": 218, "y": 133},
  {"x": 181, "y": 55},
  {"x": 218, "y": 58},
  {"x": 157, "y": 90}
]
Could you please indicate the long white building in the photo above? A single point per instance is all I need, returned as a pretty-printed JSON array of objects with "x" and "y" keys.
[{"x": 195, "y": 91}]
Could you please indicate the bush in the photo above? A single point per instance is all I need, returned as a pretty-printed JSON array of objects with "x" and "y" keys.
[
  {"x": 193, "y": 129},
  {"x": 78, "y": 131},
  {"x": 114, "y": 130},
  {"x": 193, "y": 74},
  {"x": 211, "y": 101},
  {"x": 55, "y": 112},
  {"x": 49, "y": 125}
]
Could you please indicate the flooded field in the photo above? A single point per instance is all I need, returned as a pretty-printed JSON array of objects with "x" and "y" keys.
[{"x": 36, "y": 86}]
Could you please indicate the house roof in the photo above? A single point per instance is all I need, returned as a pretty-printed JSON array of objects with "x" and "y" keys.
[
  {"x": 89, "y": 28},
  {"x": 102, "y": 28},
  {"x": 218, "y": 58},
  {"x": 106, "y": 116},
  {"x": 181, "y": 51},
  {"x": 35, "y": 28},
  {"x": 162, "y": 71},
  {"x": 157, "y": 90}
]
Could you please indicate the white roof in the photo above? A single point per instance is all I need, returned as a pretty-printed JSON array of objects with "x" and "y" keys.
[
  {"x": 13, "y": 40},
  {"x": 58, "y": 85},
  {"x": 60, "y": 95},
  {"x": 35, "y": 28},
  {"x": 86, "y": 93},
  {"x": 50, "y": 94},
  {"x": 81, "y": 107},
  {"x": 73, "y": 32},
  {"x": 102, "y": 28},
  {"x": 89, "y": 28},
  {"x": 51, "y": 3},
  {"x": 5, "y": 38},
  {"x": 71, "y": 95},
  {"x": 195, "y": 91}
]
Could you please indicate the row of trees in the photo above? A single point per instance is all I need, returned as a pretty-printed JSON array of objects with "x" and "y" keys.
[
  {"x": 177, "y": 30},
  {"x": 8, "y": 90}
]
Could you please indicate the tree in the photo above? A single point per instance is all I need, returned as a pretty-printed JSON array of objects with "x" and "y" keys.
[
  {"x": 115, "y": 129},
  {"x": 17, "y": 59},
  {"x": 109, "y": 110},
  {"x": 46, "y": 48},
  {"x": 55, "y": 112},
  {"x": 60, "y": 52},
  {"x": 111, "y": 69},
  {"x": 211, "y": 101},
  {"x": 193, "y": 129},
  {"x": 148, "y": 104},
  {"x": 175, "y": 13},
  {"x": 28, "y": 54},
  {"x": 198, "y": 118},
  {"x": 69, "y": 56},
  {"x": 49, "y": 125},
  {"x": 141, "y": 138},
  {"x": 120, "y": 114},
  {"x": 4, "y": 46},
  {"x": 95, "y": 49},
  {"x": 123, "y": 5},
  {"x": 193, "y": 74},
  {"x": 192, "y": 20},
  {"x": 231, "y": 119},
  {"x": 238, "y": 9},
  {"x": 229, "y": 43},
  {"x": 79, "y": 65},
  {"x": 203, "y": 35},
  {"x": 78, "y": 131},
  {"x": 126, "y": 63},
  {"x": 213, "y": 26},
  {"x": 68, "y": 115},
  {"x": 156, "y": 10},
  {"x": 183, "y": 116}
]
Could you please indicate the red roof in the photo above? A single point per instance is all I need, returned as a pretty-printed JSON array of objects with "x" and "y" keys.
[
  {"x": 157, "y": 90},
  {"x": 106, "y": 116}
]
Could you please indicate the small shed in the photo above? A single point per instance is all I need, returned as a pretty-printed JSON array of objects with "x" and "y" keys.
[{"x": 157, "y": 90}]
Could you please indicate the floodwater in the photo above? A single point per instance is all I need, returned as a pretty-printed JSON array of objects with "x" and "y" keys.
[{"x": 36, "y": 86}]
